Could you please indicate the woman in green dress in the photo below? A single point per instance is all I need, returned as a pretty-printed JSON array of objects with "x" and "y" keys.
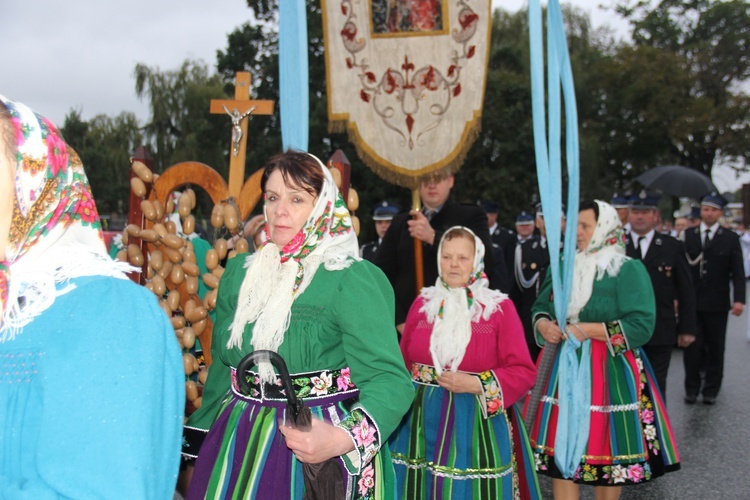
[
  {"x": 307, "y": 296},
  {"x": 601, "y": 420}
]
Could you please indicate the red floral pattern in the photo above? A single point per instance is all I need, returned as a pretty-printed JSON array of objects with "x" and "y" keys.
[
  {"x": 405, "y": 88},
  {"x": 616, "y": 339}
]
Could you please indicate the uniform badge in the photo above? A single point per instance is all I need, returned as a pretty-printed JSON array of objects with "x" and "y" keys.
[
  {"x": 669, "y": 271},
  {"x": 534, "y": 246}
]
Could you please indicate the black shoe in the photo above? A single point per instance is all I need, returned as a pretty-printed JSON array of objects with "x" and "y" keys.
[
  {"x": 691, "y": 400},
  {"x": 709, "y": 400}
]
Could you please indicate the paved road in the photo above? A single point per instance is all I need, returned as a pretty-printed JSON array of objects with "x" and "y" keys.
[{"x": 713, "y": 441}]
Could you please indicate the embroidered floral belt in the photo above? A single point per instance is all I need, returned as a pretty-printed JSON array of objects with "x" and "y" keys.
[
  {"x": 424, "y": 374},
  {"x": 328, "y": 385}
]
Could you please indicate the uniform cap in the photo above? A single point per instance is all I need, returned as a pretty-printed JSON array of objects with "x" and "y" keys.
[
  {"x": 489, "y": 206},
  {"x": 714, "y": 199},
  {"x": 644, "y": 200},
  {"x": 619, "y": 201},
  {"x": 524, "y": 218},
  {"x": 385, "y": 211}
]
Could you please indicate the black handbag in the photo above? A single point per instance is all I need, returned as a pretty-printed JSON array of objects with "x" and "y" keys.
[{"x": 323, "y": 481}]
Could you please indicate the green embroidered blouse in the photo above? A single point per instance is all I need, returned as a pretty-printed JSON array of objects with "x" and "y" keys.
[{"x": 624, "y": 303}]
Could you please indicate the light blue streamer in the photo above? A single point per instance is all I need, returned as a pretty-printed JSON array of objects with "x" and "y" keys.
[
  {"x": 574, "y": 395},
  {"x": 294, "y": 75}
]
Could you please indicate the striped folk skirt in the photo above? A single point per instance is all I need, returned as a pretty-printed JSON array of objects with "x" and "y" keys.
[
  {"x": 445, "y": 448},
  {"x": 245, "y": 456},
  {"x": 630, "y": 436}
]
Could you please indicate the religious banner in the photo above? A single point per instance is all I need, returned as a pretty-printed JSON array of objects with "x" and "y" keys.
[{"x": 406, "y": 80}]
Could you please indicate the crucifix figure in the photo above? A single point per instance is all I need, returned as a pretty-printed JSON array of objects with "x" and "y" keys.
[
  {"x": 238, "y": 110},
  {"x": 236, "y": 128}
]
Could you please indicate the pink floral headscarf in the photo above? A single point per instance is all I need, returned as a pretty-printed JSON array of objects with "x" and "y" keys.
[
  {"x": 276, "y": 276},
  {"x": 55, "y": 232}
]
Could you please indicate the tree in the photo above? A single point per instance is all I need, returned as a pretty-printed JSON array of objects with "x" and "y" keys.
[
  {"x": 105, "y": 146},
  {"x": 708, "y": 41},
  {"x": 181, "y": 126}
]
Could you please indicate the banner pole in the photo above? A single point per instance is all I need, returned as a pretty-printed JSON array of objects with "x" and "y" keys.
[{"x": 416, "y": 205}]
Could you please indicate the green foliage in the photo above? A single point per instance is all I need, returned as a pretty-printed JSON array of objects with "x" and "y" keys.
[
  {"x": 704, "y": 45},
  {"x": 181, "y": 126},
  {"x": 105, "y": 145}
]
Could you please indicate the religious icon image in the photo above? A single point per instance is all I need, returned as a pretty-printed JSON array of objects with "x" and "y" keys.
[{"x": 406, "y": 16}]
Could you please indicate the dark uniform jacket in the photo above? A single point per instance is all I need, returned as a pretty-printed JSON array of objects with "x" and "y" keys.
[
  {"x": 396, "y": 254},
  {"x": 503, "y": 243},
  {"x": 368, "y": 250},
  {"x": 671, "y": 279},
  {"x": 534, "y": 258},
  {"x": 720, "y": 263}
]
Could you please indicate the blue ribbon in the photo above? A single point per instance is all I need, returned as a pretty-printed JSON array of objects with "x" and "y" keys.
[
  {"x": 574, "y": 393},
  {"x": 294, "y": 75}
]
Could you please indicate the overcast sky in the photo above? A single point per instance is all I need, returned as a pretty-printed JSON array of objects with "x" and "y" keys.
[{"x": 58, "y": 55}]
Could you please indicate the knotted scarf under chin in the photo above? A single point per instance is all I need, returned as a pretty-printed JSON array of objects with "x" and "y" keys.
[
  {"x": 266, "y": 297},
  {"x": 452, "y": 331}
]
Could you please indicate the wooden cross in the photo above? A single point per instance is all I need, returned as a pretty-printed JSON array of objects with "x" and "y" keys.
[{"x": 239, "y": 109}]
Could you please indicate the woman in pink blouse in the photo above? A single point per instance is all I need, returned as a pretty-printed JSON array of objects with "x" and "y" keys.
[{"x": 464, "y": 346}]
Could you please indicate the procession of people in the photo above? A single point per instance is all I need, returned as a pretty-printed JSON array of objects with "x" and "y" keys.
[{"x": 410, "y": 392}]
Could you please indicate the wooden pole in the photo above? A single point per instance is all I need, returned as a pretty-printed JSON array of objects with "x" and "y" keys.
[{"x": 416, "y": 204}]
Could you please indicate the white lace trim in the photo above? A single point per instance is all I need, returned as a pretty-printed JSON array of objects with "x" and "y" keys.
[
  {"x": 33, "y": 286},
  {"x": 598, "y": 408}
]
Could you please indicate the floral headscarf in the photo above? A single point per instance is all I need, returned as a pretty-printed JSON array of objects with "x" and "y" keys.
[
  {"x": 55, "y": 232},
  {"x": 276, "y": 276},
  {"x": 452, "y": 310},
  {"x": 604, "y": 254}
]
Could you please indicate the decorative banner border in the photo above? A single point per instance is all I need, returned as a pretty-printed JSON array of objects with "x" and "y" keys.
[{"x": 410, "y": 96}]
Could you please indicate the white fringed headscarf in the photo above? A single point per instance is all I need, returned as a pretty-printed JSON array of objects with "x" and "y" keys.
[
  {"x": 605, "y": 254},
  {"x": 55, "y": 234},
  {"x": 276, "y": 277},
  {"x": 452, "y": 310}
]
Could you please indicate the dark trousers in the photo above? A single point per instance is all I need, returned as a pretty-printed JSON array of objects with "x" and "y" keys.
[
  {"x": 659, "y": 356},
  {"x": 707, "y": 354}
]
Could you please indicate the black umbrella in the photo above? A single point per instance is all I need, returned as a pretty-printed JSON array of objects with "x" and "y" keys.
[
  {"x": 677, "y": 181},
  {"x": 323, "y": 481}
]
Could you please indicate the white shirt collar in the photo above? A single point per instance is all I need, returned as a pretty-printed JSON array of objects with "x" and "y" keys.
[
  {"x": 645, "y": 242},
  {"x": 713, "y": 228}
]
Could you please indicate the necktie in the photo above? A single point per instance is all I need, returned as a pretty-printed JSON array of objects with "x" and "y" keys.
[
  {"x": 429, "y": 213},
  {"x": 640, "y": 248},
  {"x": 707, "y": 237}
]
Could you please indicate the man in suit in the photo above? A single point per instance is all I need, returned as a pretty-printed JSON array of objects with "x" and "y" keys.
[
  {"x": 541, "y": 226},
  {"x": 715, "y": 256},
  {"x": 382, "y": 216},
  {"x": 664, "y": 259},
  {"x": 439, "y": 213},
  {"x": 530, "y": 263},
  {"x": 503, "y": 243}
]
